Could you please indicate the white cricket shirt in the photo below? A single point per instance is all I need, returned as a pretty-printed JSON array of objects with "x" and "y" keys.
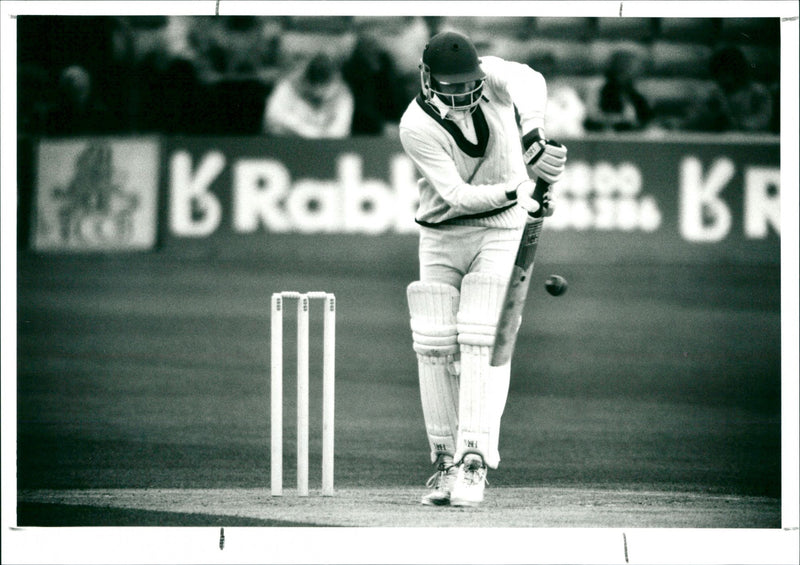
[{"x": 468, "y": 163}]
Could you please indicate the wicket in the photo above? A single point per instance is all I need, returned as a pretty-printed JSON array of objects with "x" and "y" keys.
[{"x": 276, "y": 375}]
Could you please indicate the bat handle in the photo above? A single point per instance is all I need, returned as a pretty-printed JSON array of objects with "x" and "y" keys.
[{"x": 542, "y": 186}]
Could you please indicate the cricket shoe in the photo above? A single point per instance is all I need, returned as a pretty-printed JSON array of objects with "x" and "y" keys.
[
  {"x": 470, "y": 482},
  {"x": 441, "y": 483}
]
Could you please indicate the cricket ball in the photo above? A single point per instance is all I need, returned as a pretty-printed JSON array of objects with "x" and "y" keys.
[{"x": 556, "y": 285}]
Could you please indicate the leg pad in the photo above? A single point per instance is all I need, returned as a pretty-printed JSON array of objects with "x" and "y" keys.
[
  {"x": 483, "y": 389},
  {"x": 433, "y": 308}
]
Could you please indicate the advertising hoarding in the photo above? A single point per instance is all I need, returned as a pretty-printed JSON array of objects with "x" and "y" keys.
[
  {"x": 96, "y": 194},
  {"x": 621, "y": 199}
]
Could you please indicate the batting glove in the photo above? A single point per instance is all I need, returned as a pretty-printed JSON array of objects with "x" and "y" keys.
[
  {"x": 546, "y": 160},
  {"x": 551, "y": 163},
  {"x": 524, "y": 192}
]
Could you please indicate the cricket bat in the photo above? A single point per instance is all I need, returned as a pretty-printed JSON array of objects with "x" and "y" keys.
[{"x": 517, "y": 289}]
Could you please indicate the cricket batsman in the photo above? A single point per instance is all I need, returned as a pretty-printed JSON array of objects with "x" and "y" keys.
[{"x": 467, "y": 132}]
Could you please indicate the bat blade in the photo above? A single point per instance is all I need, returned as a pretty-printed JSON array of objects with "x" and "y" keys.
[
  {"x": 505, "y": 337},
  {"x": 516, "y": 294}
]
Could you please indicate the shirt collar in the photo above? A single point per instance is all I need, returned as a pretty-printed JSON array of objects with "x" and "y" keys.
[
  {"x": 446, "y": 112},
  {"x": 442, "y": 108}
]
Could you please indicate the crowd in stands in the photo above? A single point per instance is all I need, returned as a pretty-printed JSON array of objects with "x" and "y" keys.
[{"x": 340, "y": 76}]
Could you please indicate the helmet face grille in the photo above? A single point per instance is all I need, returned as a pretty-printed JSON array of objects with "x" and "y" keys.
[{"x": 467, "y": 100}]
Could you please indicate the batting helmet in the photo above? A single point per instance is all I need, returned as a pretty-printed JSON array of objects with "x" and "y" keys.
[{"x": 451, "y": 70}]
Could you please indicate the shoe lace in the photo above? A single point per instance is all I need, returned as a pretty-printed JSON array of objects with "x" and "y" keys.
[
  {"x": 475, "y": 474},
  {"x": 436, "y": 480}
]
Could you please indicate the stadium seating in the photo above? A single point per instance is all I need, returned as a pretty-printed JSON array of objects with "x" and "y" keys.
[
  {"x": 561, "y": 57},
  {"x": 575, "y": 29},
  {"x": 672, "y": 97},
  {"x": 670, "y": 46},
  {"x": 379, "y": 25},
  {"x": 330, "y": 25},
  {"x": 765, "y": 62},
  {"x": 147, "y": 22},
  {"x": 490, "y": 26},
  {"x": 296, "y": 46},
  {"x": 601, "y": 51},
  {"x": 750, "y": 31},
  {"x": 498, "y": 36},
  {"x": 689, "y": 30},
  {"x": 674, "y": 51},
  {"x": 688, "y": 60},
  {"x": 626, "y": 29}
]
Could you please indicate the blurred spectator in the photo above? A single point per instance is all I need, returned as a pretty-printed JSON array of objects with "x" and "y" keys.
[
  {"x": 566, "y": 111},
  {"x": 378, "y": 91},
  {"x": 312, "y": 102},
  {"x": 77, "y": 109},
  {"x": 234, "y": 45},
  {"x": 736, "y": 102},
  {"x": 616, "y": 105},
  {"x": 101, "y": 45},
  {"x": 170, "y": 95},
  {"x": 410, "y": 33},
  {"x": 206, "y": 37},
  {"x": 177, "y": 37},
  {"x": 404, "y": 41}
]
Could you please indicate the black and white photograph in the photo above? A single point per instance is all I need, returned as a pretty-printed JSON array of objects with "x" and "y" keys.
[{"x": 273, "y": 292}]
